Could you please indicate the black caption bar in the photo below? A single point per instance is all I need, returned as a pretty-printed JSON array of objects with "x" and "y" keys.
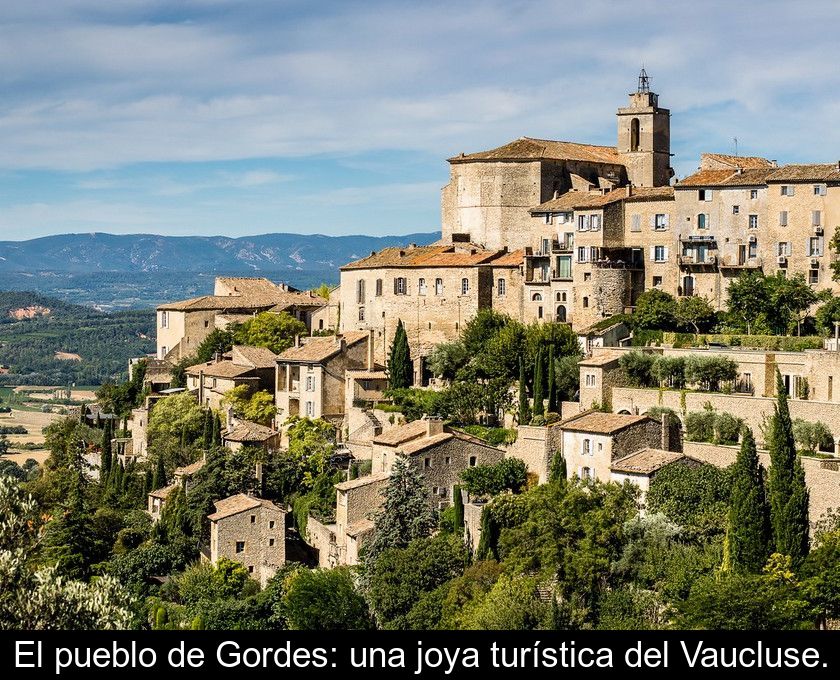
[{"x": 418, "y": 655}]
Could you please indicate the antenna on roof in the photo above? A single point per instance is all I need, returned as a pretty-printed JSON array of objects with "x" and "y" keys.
[
  {"x": 644, "y": 81},
  {"x": 735, "y": 139}
]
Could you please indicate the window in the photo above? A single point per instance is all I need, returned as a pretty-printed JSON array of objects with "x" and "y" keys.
[
  {"x": 448, "y": 460},
  {"x": 783, "y": 218},
  {"x": 587, "y": 276},
  {"x": 787, "y": 190},
  {"x": 585, "y": 302},
  {"x": 427, "y": 463},
  {"x": 736, "y": 209},
  {"x": 657, "y": 281},
  {"x": 253, "y": 519},
  {"x": 214, "y": 383},
  {"x": 587, "y": 447},
  {"x": 545, "y": 249},
  {"x": 164, "y": 319},
  {"x": 561, "y": 314},
  {"x": 310, "y": 383},
  {"x": 582, "y": 254},
  {"x": 270, "y": 542},
  {"x": 207, "y": 324},
  {"x": 753, "y": 194},
  {"x": 310, "y": 409},
  {"x": 548, "y": 218},
  {"x": 813, "y": 276},
  {"x": 361, "y": 313},
  {"x": 705, "y": 194},
  {"x": 590, "y": 380},
  {"x": 473, "y": 461},
  {"x": 784, "y": 249},
  {"x": 582, "y": 224},
  {"x": 660, "y": 253},
  {"x": 438, "y": 287},
  {"x": 502, "y": 287},
  {"x": 561, "y": 296},
  {"x": 465, "y": 286},
  {"x": 251, "y": 569},
  {"x": 271, "y": 524},
  {"x": 240, "y": 546},
  {"x": 634, "y": 134},
  {"x": 594, "y": 222},
  {"x": 660, "y": 222},
  {"x": 703, "y": 221},
  {"x": 753, "y": 250},
  {"x": 360, "y": 291},
  {"x": 421, "y": 286},
  {"x": 816, "y": 216},
  {"x": 636, "y": 223},
  {"x": 815, "y": 246},
  {"x": 540, "y": 312},
  {"x": 536, "y": 297},
  {"x": 399, "y": 286},
  {"x": 753, "y": 223},
  {"x": 819, "y": 190},
  {"x": 378, "y": 287},
  {"x": 585, "y": 473}
]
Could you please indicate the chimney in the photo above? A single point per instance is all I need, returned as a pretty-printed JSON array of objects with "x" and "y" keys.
[
  {"x": 342, "y": 343},
  {"x": 556, "y": 194},
  {"x": 297, "y": 340},
  {"x": 201, "y": 388},
  {"x": 629, "y": 192},
  {"x": 434, "y": 425},
  {"x": 370, "y": 362},
  {"x": 665, "y": 440},
  {"x": 230, "y": 419}
]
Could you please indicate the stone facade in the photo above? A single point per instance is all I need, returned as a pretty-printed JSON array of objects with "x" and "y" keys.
[
  {"x": 536, "y": 447},
  {"x": 250, "y": 531}
]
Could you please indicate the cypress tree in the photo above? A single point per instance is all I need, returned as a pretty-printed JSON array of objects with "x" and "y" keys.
[
  {"x": 747, "y": 529},
  {"x": 458, "y": 504},
  {"x": 217, "y": 430},
  {"x": 207, "y": 435},
  {"x": 788, "y": 495},
  {"x": 159, "y": 477},
  {"x": 148, "y": 485},
  {"x": 183, "y": 438},
  {"x": 487, "y": 549},
  {"x": 118, "y": 483},
  {"x": 524, "y": 406},
  {"x": 539, "y": 395},
  {"x": 557, "y": 473},
  {"x": 552, "y": 386},
  {"x": 400, "y": 371},
  {"x": 105, "y": 459}
]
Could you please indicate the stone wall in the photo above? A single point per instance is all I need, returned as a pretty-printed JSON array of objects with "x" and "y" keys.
[
  {"x": 821, "y": 476},
  {"x": 536, "y": 447},
  {"x": 261, "y": 559},
  {"x": 322, "y": 537},
  {"x": 472, "y": 524}
]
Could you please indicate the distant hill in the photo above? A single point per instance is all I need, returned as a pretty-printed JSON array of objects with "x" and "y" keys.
[{"x": 97, "y": 252}]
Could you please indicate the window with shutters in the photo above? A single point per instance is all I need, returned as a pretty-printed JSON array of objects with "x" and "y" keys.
[
  {"x": 787, "y": 190},
  {"x": 819, "y": 190},
  {"x": 582, "y": 253},
  {"x": 361, "y": 313},
  {"x": 784, "y": 249},
  {"x": 660, "y": 222},
  {"x": 399, "y": 285},
  {"x": 703, "y": 221},
  {"x": 465, "y": 286},
  {"x": 813, "y": 276},
  {"x": 753, "y": 222},
  {"x": 753, "y": 194},
  {"x": 378, "y": 287},
  {"x": 164, "y": 319},
  {"x": 815, "y": 246},
  {"x": 594, "y": 222},
  {"x": 310, "y": 409},
  {"x": 360, "y": 291},
  {"x": 582, "y": 223},
  {"x": 421, "y": 286},
  {"x": 438, "y": 286},
  {"x": 548, "y": 218},
  {"x": 660, "y": 253},
  {"x": 636, "y": 223},
  {"x": 783, "y": 218},
  {"x": 705, "y": 194},
  {"x": 502, "y": 287},
  {"x": 586, "y": 447},
  {"x": 310, "y": 383},
  {"x": 816, "y": 218}
]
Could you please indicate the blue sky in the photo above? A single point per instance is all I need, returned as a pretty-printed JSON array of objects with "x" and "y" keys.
[{"x": 244, "y": 117}]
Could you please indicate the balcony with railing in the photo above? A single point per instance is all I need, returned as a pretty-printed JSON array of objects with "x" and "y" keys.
[
  {"x": 736, "y": 262},
  {"x": 565, "y": 246},
  {"x": 698, "y": 261}
]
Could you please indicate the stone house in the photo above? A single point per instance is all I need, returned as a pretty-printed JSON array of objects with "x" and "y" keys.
[
  {"x": 310, "y": 377},
  {"x": 536, "y": 447},
  {"x": 251, "y": 366},
  {"x": 251, "y": 531},
  {"x": 156, "y": 500},
  {"x": 594, "y": 440},
  {"x": 183, "y": 325},
  {"x": 641, "y": 467},
  {"x": 243, "y": 433}
]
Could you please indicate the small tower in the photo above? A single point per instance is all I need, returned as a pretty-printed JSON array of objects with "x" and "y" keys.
[{"x": 644, "y": 137}]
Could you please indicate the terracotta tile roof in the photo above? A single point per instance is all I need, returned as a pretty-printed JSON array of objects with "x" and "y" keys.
[
  {"x": 233, "y": 505},
  {"x": 511, "y": 259},
  {"x": 530, "y": 149},
  {"x": 367, "y": 374},
  {"x": 247, "y": 286},
  {"x": 704, "y": 178},
  {"x": 641, "y": 194},
  {"x": 580, "y": 200},
  {"x": 290, "y": 300},
  {"x": 375, "y": 478},
  {"x": 599, "y": 422},
  {"x": 646, "y": 461},
  {"x": 415, "y": 446},
  {"x": 246, "y": 431},
  {"x": 815, "y": 172},
  {"x": 191, "y": 469},
  {"x": 403, "y": 433},
  {"x": 443, "y": 255},
  {"x": 220, "y": 369},
  {"x": 750, "y": 177},
  {"x": 238, "y": 293},
  {"x": 233, "y": 318},
  {"x": 727, "y": 178},
  {"x": 164, "y": 492},
  {"x": 256, "y": 357},
  {"x": 315, "y": 350},
  {"x": 360, "y": 528},
  {"x": 601, "y": 359},
  {"x": 743, "y": 162}
]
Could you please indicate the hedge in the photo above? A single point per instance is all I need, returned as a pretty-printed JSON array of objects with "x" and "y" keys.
[{"x": 779, "y": 343}]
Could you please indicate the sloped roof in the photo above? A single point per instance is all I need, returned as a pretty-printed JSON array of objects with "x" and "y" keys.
[
  {"x": 403, "y": 433},
  {"x": 511, "y": 259},
  {"x": 599, "y": 422},
  {"x": 586, "y": 200},
  {"x": 704, "y": 178},
  {"x": 247, "y": 286},
  {"x": 727, "y": 178},
  {"x": 164, "y": 492},
  {"x": 246, "y": 431},
  {"x": 601, "y": 358},
  {"x": 375, "y": 478},
  {"x": 442, "y": 255},
  {"x": 233, "y": 505},
  {"x": 257, "y": 357},
  {"x": 743, "y": 162},
  {"x": 531, "y": 149},
  {"x": 813, "y": 172},
  {"x": 220, "y": 369},
  {"x": 646, "y": 461},
  {"x": 191, "y": 469},
  {"x": 318, "y": 349}
]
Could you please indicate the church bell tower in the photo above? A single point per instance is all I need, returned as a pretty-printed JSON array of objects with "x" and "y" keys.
[{"x": 644, "y": 137}]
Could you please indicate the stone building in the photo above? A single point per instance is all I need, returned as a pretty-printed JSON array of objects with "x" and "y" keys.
[
  {"x": 242, "y": 433},
  {"x": 641, "y": 467},
  {"x": 251, "y": 366},
  {"x": 251, "y": 531},
  {"x": 310, "y": 376},
  {"x": 182, "y": 326},
  {"x": 594, "y": 440}
]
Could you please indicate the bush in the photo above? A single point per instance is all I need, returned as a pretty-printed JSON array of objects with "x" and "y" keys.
[
  {"x": 489, "y": 480},
  {"x": 496, "y": 436},
  {"x": 727, "y": 428},
  {"x": 700, "y": 426},
  {"x": 812, "y": 437},
  {"x": 670, "y": 371},
  {"x": 710, "y": 371},
  {"x": 638, "y": 367}
]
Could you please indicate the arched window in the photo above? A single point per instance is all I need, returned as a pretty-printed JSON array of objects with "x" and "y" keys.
[
  {"x": 634, "y": 134},
  {"x": 536, "y": 297},
  {"x": 438, "y": 286},
  {"x": 561, "y": 313}
]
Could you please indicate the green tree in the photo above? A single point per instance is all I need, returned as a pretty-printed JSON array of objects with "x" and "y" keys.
[
  {"x": 257, "y": 407},
  {"x": 829, "y": 314},
  {"x": 400, "y": 370},
  {"x": 105, "y": 457},
  {"x": 405, "y": 514},
  {"x": 788, "y": 494},
  {"x": 447, "y": 358},
  {"x": 655, "y": 309},
  {"x": 694, "y": 312},
  {"x": 790, "y": 296},
  {"x": 552, "y": 382},
  {"x": 458, "y": 503},
  {"x": 748, "y": 299},
  {"x": 747, "y": 524},
  {"x": 812, "y": 437},
  {"x": 638, "y": 366},
  {"x": 324, "y": 599},
  {"x": 508, "y": 474},
  {"x": 218, "y": 342},
  {"x": 273, "y": 331},
  {"x": 524, "y": 406},
  {"x": 171, "y": 415},
  {"x": 539, "y": 394}
]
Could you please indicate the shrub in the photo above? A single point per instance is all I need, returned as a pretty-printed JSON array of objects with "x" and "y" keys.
[
  {"x": 700, "y": 426},
  {"x": 489, "y": 480},
  {"x": 812, "y": 437},
  {"x": 638, "y": 366},
  {"x": 727, "y": 428},
  {"x": 670, "y": 371},
  {"x": 710, "y": 371}
]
